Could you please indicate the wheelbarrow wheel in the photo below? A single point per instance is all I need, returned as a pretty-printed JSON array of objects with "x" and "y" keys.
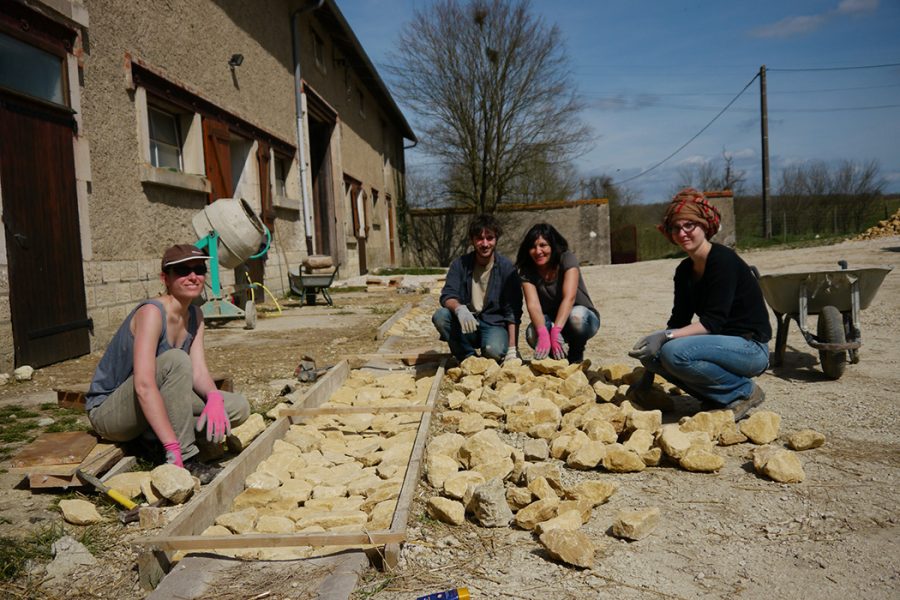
[{"x": 831, "y": 331}]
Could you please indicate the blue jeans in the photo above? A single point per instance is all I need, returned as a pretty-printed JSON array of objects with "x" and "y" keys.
[
  {"x": 491, "y": 339},
  {"x": 711, "y": 367},
  {"x": 581, "y": 326}
]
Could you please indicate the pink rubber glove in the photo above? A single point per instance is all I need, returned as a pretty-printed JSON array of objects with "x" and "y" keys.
[
  {"x": 556, "y": 348},
  {"x": 173, "y": 454},
  {"x": 543, "y": 344},
  {"x": 214, "y": 418}
]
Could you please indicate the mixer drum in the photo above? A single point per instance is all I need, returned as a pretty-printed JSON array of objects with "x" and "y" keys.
[{"x": 240, "y": 230}]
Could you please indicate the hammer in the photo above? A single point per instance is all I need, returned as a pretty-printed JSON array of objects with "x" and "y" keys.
[{"x": 110, "y": 493}]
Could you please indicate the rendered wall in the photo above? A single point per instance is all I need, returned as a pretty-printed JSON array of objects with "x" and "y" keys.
[{"x": 584, "y": 224}]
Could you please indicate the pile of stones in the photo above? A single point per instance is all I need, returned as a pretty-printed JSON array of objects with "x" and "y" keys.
[
  {"x": 581, "y": 419},
  {"x": 886, "y": 228},
  {"x": 334, "y": 473}
]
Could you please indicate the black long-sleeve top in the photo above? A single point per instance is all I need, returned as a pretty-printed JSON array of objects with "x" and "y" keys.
[{"x": 727, "y": 298}]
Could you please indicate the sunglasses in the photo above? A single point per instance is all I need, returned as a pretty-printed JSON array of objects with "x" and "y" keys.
[
  {"x": 185, "y": 270},
  {"x": 687, "y": 227}
]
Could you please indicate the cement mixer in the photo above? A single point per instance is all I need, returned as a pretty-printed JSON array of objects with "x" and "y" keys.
[{"x": 231, "y": 233}]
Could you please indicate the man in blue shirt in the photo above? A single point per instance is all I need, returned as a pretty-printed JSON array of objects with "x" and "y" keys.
[{"x": 481, "y": 302}]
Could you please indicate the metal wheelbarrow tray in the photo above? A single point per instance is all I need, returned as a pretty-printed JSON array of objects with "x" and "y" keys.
[
  {"x": 307, "y": 285},
  {"x": 836, "y": 297}
]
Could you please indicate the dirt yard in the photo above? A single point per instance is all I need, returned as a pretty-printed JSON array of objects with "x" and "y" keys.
[{"x": 727, "y": 535}]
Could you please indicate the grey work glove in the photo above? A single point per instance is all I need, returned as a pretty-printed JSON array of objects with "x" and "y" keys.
[
  {"x": 649, "y": 345},
  {"x": 467, "y": 320}
]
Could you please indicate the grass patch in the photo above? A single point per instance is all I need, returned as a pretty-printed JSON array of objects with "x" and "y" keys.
[
  {"x": 16, "y": 553},
  {"x": 67, "y": 423},
  {"x": 410, "y": 271},
  {"x": 382, "y": 310},
  {"x": 347, "y": 289},
  {"x": 17, "y": 424}
]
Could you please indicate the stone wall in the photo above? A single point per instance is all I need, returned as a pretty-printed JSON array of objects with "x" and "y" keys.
[{"x": 584, "y": 224}]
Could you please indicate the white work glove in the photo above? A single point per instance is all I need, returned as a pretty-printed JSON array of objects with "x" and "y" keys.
[
  {"x": 467, "y": 320},
  {"x": 511, "y": 354}
]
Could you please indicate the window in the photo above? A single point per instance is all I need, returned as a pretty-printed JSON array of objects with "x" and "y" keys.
[
  {"x": 165, "y": 140},
  {"x": 29, "y": 70},
  {"x": 281, "y": 167},
  {"x": 318, "y": 50}
]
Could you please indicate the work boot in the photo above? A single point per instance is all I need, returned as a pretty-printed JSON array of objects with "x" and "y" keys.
[
  {"x": 648, "y": 397},
  {"x": 202, "y": 471},
  {"x": 739, "y": 407}
]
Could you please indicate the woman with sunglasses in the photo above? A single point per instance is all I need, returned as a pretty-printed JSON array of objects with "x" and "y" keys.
[
  {"x": 556, "y": 297},
  {"x": 153, "y": 381},
  {"x": 714, "y": 357}
]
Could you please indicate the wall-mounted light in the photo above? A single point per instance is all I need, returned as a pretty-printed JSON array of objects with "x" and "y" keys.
[{"x": 236, "y": 60}]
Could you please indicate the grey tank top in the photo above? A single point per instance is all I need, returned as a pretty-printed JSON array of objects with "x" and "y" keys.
[{"x": 117, "y": 363}]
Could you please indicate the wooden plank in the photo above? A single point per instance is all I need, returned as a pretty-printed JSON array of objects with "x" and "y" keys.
[
  {"x": 407, "y": 358},
  {"x": 124, "y": 465},
  {"x": 55, "y": 449},
  {"x": 270, "y": 540},
  {"x": 217, "y": 497},
  {"x": 351, "y": 410},
  {"x": 401, "y": 312},
  {"x": 413, "y": 473},
  {"x": 98, "y": 457},
  {"x": 101, "y": 458}
]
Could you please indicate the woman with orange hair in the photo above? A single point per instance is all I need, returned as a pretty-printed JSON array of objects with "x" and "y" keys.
[{"x": 714, "y": 357}]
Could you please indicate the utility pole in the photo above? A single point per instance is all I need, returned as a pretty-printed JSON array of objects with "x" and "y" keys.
[{"x": 764, "y": 126}]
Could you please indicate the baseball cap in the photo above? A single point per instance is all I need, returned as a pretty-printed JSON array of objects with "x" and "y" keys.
[{"x": 180, "y": 253}]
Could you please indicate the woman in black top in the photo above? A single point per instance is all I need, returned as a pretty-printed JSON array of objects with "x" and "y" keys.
[
  {"x": 714, "y": 357},
  {"x": 560, "y": 308}
]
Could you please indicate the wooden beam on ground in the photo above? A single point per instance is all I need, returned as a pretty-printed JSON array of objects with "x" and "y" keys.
[
  {"x": 270, "y": 540},
  {"x": 352, "y": 410},
  {"x": 382, "y": 331},
  {"x": 413, "y": 473},
  {"x": 217, "y": 497},
  {"x": 407, "y": 358}
]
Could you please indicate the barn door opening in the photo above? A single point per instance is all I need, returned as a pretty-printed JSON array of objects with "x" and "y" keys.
[{"x": 48, "y": 309}]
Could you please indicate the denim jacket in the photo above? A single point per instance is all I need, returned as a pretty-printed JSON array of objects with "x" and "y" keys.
[{"x": 503, "y": 300}]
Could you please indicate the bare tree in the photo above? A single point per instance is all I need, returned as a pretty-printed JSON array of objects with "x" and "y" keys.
[
  {"x": 491, "y": 87},
  {"x": 620, "y": 197},
  {"x": 711, "y": 175}
]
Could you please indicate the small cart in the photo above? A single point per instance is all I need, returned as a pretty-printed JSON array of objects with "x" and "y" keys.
[
  {"x": 837, "y": 297},
  {"x": 307, "y": 285}
]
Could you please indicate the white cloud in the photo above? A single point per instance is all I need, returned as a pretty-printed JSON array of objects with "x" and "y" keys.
[
  {"x": 802, "y": 24},
  {"x": 790, "y": 26},
  {"x": 743, "y": 153},
  {"x": 857, "y": 6}
]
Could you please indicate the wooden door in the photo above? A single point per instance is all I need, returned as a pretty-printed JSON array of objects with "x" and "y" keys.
[
  {"x": 40, "y": 218},
  {"x": 256, "y": 268},
  {"x": 389, "y": 205},
  {"x": 217, "y": 153}
]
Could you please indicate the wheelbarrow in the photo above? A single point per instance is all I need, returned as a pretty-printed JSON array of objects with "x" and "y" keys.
[{"x": 836, "y": 297}]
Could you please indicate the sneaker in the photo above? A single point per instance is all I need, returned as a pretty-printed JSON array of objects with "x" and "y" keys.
[
  {"x": 742, "y": 406},
  {"x": 202, "y": 471}
]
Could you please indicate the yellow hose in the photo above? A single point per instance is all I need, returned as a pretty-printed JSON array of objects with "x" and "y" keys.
[{"x": 253, "y": 285}]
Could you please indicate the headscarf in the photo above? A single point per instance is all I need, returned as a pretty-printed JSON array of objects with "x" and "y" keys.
[{"x": 690, "y": 204}]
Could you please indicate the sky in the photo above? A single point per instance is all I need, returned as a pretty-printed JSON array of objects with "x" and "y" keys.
[{"x": 654, "y": 73}]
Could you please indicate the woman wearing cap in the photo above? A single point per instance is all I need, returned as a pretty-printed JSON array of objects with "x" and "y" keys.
[
  {"x": 714, "y": 357},
  {"x": 153, "y": 380},
  {"x": 556, "y": 297}
]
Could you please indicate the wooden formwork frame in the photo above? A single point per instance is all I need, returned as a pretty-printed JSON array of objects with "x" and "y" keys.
[{"x": 183, "y": 533}]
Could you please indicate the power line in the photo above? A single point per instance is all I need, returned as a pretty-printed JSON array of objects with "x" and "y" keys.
[
  {"x": 696, "y": 135},
  {"x": 838, "y": 68}
]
